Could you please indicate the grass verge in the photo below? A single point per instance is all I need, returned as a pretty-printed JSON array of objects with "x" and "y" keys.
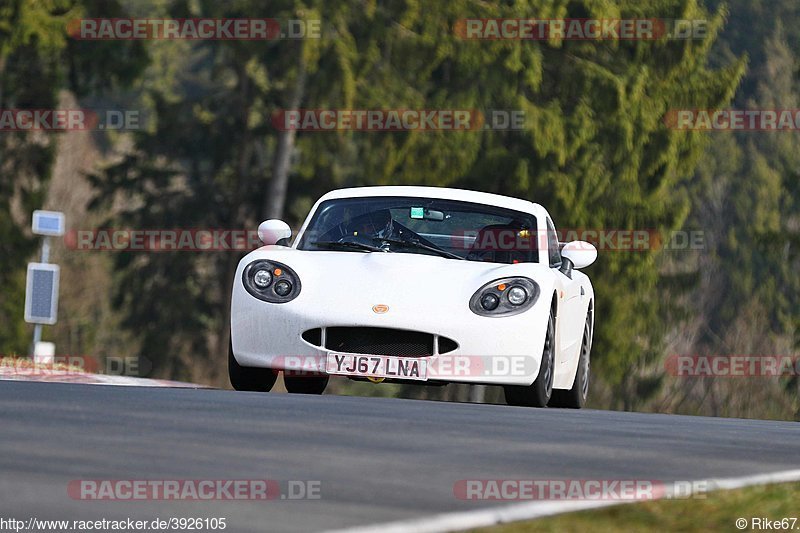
[{"x": 718, "y": 511}]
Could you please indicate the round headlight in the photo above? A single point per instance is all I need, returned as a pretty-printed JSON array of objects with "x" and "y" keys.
[
  {"x": 283, "y": 287},
  {"x": 490, "y": 301},
  {"x": 262, "y": 278},
  {"x": 517, "y": 295}
]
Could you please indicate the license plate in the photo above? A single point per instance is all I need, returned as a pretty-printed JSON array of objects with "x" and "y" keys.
[{"x": 377, "y": 366}]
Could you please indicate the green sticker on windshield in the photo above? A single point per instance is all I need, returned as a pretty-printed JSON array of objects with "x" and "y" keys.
[{"x": 417, "y": 212}]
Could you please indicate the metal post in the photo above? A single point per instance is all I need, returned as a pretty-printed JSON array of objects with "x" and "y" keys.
[
  {"x": 37, "y": 336},
  {"x": 47, "y": 224},
  {"x": 46, "y": 250}
]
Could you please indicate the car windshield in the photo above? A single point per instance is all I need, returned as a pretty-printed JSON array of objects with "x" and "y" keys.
[{"x": 447, "y": 228}]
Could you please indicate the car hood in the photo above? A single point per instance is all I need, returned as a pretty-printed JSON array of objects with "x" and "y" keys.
[{"x": 405, "y": 282}]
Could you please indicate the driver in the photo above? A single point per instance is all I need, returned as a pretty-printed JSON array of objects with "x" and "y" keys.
[{"x": 378, "y": 224}]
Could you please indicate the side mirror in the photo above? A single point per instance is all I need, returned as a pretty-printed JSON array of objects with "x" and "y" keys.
[
  {"x": 272, "y": 231},
  {"x": 580, "y": 253}
]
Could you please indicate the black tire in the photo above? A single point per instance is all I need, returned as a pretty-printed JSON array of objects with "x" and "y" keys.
[
  {"x": 538, "y": 393},
  {"x": 575, "y": 398},
  {"x": 246, "y": 378},
  {"x": 305, "y": 384}
]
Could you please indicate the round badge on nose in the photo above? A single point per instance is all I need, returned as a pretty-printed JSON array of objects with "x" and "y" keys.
[{"x": 380, "y": 309}]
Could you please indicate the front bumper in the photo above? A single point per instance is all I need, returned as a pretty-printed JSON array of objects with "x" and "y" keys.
[{"x": 490, "y": 350}]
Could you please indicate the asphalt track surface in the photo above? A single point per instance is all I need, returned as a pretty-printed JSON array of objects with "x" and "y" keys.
[{"x": 377, "y": 460}]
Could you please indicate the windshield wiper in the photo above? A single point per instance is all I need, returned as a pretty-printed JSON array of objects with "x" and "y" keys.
[
  {"x": 349, "y": 244},
  {"x": 422, "y": 246}
]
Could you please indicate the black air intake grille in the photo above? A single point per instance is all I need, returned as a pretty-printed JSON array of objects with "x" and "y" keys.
[
  {"x": 447, "y": 345},
  {"x": 313, "y": 336},
  {"x": 379, "y": 341}
]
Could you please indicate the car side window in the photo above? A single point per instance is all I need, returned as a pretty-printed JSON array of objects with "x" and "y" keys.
[{"x": 552, "y": 244}]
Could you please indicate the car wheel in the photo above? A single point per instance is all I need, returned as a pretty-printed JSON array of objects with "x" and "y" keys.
[
  {"x": 305, "y": 384},
  {"x": 575, "y": 398},
  {"x": 246, "y": 378},
  {"x": 537, "y": 394}
]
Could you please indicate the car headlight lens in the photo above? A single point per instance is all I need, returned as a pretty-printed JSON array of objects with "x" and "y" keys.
[
  {"x": 517, "y": 295},
  {"x": 271, "y": 281},
  {"x": 283, "y": 287},
  {"x": 262, "y": 278},
  {"x": 490, "y": 302},
  {"x": 505, "y": 297}
]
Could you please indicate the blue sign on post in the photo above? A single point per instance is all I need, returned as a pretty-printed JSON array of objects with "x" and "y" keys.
[
  {"x": 41, "y": 294},
  {"x": 48, "y": 223}
]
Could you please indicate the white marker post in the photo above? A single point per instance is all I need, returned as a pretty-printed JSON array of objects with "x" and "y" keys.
[{"x": 41, "y": 289}]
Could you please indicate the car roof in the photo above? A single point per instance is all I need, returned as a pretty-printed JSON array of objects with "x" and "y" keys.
[{"x": 477, "y": 197}]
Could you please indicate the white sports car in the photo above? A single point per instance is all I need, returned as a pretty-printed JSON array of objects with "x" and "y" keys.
[{"x": 416, "y": 285}]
